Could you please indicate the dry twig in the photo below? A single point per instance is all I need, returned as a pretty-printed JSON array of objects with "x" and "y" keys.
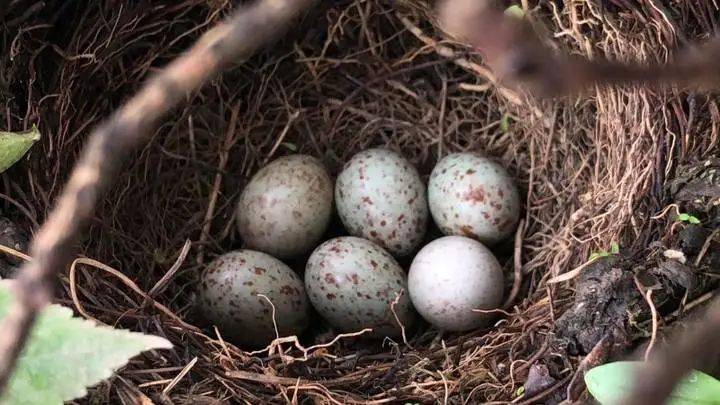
[{"x": 250, "y": 28}]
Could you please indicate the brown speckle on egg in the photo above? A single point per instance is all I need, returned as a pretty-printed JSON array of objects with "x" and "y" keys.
[
  {"x": 467, "y": 204},
  {"x": 363, "y": 270},
  {"x": 229, "y": 297},
  {"x": 371, "y": 195},
  {"x": 286, "y": 207}
]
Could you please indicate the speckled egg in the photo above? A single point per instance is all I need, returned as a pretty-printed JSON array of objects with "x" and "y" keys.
[
  {"x": 450, "y": 277},
  {"x": 229, "y": 297},
  {"x": 380, "y": 197},
  {"x": 352, "y": 283},
  {"x": 286, "y": 207},
  {"x": 473, "y": 196}
]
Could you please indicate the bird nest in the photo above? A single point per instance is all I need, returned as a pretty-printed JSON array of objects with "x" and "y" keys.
[{"x": 350, "y": 75}]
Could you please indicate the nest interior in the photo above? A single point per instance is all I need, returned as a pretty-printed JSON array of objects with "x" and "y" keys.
[{"x": 592, "y": 169}]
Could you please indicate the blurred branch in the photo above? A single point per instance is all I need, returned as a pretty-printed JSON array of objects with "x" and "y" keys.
[
  {"x": 517, "y": 57},
  {"x": 248, "y": 29}
]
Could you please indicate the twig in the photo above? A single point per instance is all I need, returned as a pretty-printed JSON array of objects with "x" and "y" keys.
[
  {"x": 397, "y": 318},
  {"x": 648, "y": 298},
  {"x": 282, "y": 135},
  {"x": 179, "y": 377},
  {"x": 163, "y": 282},
  {"x": 271, "y": 348},
  {"x": 705, "y": 247},
  {"x": 598, "y": 355},
  {"x": 230, "y": 139},
  {"x": 647, "y": 294},
  {"x": 517, "y": 266},
  {"x": 277, "y": 333},
  {"x": 569, "y": 275},
  {"x": 248, "y": 29},
  {"x": 13, "y": 252},
  {"x": 129, "y": 283}
]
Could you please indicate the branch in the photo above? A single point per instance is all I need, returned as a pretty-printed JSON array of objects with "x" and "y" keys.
[
  {"x": 515, "y": 53},
  {"x": 247, "y": 30}
]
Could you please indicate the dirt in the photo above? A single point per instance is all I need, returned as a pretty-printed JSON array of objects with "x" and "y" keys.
[
  {"x": 605, "y": 298},
  {"x": 697, "y": 188}
]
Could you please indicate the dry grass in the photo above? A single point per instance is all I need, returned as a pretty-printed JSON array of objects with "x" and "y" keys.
[{"x": 355, "y": 74}]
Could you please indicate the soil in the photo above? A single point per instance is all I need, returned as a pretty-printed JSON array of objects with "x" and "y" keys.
[{"x": 605, "y": 299}]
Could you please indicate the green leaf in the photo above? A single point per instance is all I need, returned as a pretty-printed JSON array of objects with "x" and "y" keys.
[
  {"x": 520, "y": 391},
  {"x": 598, "y": 255},
  {"x": 614, "y": 248},
  {"x": 505, "y": 123},
  {"x": 66, "y": 354},
  {"x": 693, "y": 220},
  {"x": 14, "y": 145},
  {"x": 611, "y": 382},
  {"x": 683, "y": 217},
  {"x": 515, "y": 11}
]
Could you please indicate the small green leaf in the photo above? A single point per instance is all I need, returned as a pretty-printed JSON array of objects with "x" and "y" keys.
[
  {"x": 64, "y": 355},
  {"x": 505, "y": 123},
  {"x": 520, "y": 391},
  {"x": 14, "y": 145},
  {"x": 683, "y": 217},
  {"x": 599, "y": 254},
  {"x": 614, "y": 248},
  {"x": 611, "y": 382},
  {"x": 515, "y": 11},
  {"x": 693, "y": 220}
]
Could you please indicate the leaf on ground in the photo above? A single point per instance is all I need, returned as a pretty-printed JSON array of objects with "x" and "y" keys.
[
  {"x": 65, "y": 355},
  {"x": 611, "y": 382},
  {"x": 14, "y": 145}
]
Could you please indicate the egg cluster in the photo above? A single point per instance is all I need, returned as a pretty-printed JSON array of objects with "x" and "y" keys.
[{"x": 355, "y": 282}]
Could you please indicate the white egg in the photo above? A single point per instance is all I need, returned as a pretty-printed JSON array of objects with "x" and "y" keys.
[
  {"x": 380, "y": 197},
  {"x": 452, "y": 276},
  {"x": 229, "y": 297},
  {"x": 286, "y": 207},
  {"x": 473, "y": 196},
  {"x": 353, "y": 282}
]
